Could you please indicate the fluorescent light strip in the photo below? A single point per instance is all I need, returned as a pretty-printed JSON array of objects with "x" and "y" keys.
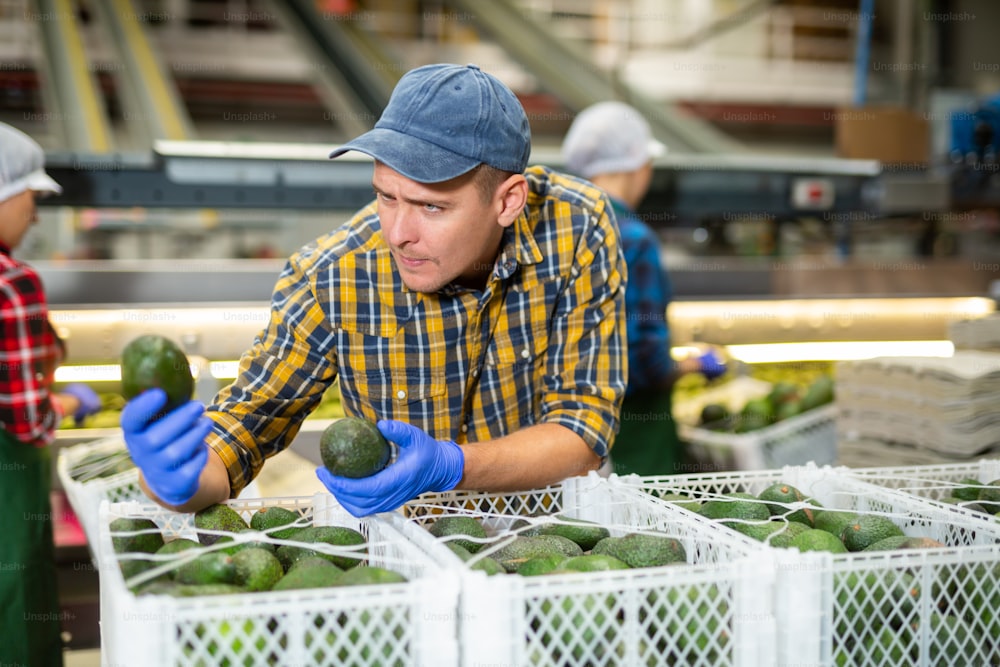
[
  {"x": 750, "y": 354},
  {"x": 105, "y": 373},
  {"x": 838, "y": 351}
]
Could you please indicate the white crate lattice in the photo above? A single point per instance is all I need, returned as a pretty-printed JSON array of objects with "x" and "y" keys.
[
  {"x": 819, "y": 595},
  {"x": 410, "y": 623}
]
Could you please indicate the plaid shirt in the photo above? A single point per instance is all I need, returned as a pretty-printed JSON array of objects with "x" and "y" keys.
[
  {"x": 30, "y": 351},
  {"x": 543, "y": 342},
  {"x": 646, "y": 299}
]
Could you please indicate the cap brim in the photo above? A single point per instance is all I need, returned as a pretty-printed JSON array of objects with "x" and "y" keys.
[
  {"x": 414, "y": 158},
  {"x": 39, "y": 181}
]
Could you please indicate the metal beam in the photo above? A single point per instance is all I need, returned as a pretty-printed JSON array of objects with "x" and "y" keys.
[
  {"x": 222, "y": 175},
  {"x": 569, "y": 73},
  {"x": 353, "y": 76},
  {"x": 71, "y": 87},
  {"x": 152, "y": 102}
]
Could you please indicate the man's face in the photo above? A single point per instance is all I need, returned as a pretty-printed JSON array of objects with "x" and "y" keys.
[
  {"x": 438, "y": 233},
  {"x": 17, "y": 214}
]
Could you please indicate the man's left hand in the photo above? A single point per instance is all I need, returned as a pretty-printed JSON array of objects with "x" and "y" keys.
[{"x": 422, "y": 465}]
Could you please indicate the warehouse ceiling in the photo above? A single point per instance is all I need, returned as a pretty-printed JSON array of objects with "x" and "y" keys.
[{"x": 318, "y": 71}]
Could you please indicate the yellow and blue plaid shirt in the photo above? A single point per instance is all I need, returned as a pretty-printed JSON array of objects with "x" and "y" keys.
[{"x": 543, "y": 342}]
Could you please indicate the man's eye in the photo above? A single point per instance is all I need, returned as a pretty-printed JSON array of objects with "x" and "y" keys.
[
  {"x": 432, "y": 208},
  {"x": 383, "y": 196}
]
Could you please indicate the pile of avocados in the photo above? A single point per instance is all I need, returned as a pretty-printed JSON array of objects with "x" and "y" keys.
[
  {"x": 553, "y": 547},
  {"x": 683, "y": 625},
  {"x": 275, "y": 552},
  {"x": 784, "y": 401},
  {"x": 976, "y": 496},
  {"x": 782, "y": 516},
  {"x": 877, "y": 608}
]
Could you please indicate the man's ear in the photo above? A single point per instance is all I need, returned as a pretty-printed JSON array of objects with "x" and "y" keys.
[{"x": 512, "y": 195}]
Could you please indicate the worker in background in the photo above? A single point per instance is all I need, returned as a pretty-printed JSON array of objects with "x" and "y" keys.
[
  {"x": 610, "y": 144},
  {"x": 474, "y": 310},
  {"x": 30, "y": 412}
]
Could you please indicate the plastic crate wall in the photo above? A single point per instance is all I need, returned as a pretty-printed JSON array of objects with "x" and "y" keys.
[
  {"x": 409, "y": 624},
  {"x": 85, "y": 496},
  {"x": 713, "y": 610},
  {"x": 931, "y": 482},
  {"x": 834, "y": 609},
  {"x": 808, "y": 437}
]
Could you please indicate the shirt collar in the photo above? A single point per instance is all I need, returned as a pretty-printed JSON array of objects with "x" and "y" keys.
[{"x": 518, "y": 247}]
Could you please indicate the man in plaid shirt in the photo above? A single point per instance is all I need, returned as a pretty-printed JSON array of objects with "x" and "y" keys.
[{"x": 475, "y": 309}]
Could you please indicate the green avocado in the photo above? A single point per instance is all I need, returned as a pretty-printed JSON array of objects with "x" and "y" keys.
[
  {"x": 146, "y": 542},
  {"x": 642, "y": 550},
  {"x": 455, "y": 525},
  {"x": 867, "y": 529},
  {"x": 213, "y": 567},
  {"x": 155, "y": 361},
  {"x": 339, "y": 536},
  {"x": 257, "y": 569},
  {"x": 268, "y": 519},
  {"x": 218, "y": 517},
  {"x": 311, "y": 575},
  {"x": 364, "y": 575},
  {"x": 354, "y": 447},
  {"x": 584, "y": 533}
]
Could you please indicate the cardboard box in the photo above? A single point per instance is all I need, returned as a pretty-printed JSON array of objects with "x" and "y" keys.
[{"x": 892, "y": 135}]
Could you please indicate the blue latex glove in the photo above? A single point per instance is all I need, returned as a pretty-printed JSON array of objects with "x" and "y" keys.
[
  {"x": 422, "y": 464},
  {"x": 169, "y": 449},
  {"x": 90, "y": 402},
  {"x": 711, "y": 365}
]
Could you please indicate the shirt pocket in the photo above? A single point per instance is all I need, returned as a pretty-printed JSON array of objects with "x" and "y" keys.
[{"x": 407, "y": 394}]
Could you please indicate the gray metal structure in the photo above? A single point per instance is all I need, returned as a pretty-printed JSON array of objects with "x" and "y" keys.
[{"x": 686, "y": 188}]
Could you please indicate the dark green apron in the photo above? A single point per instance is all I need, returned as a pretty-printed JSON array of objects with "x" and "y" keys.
[
  {"x": 29, "y": 602},
  {"x": 647, "y": 442}
]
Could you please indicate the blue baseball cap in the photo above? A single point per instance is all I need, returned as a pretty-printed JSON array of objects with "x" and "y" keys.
[{"x": 444, "y": 120}]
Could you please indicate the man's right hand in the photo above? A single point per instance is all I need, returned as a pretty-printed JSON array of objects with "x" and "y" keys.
[{"x": 170, "y": 450}]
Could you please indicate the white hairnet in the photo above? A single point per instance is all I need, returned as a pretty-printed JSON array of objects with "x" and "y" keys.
[
  {"x": 22, "y": 165},
  {"x": 607, "y": 138}
]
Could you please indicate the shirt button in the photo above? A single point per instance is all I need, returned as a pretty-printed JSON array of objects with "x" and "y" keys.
[
  {"x": 525, "y": 353},
  {"x": 465, "y": 428},
  {"x": 400, "y": 394},
  {"x": 39, "y": 376},
  {"x": 475, "y": 372}
]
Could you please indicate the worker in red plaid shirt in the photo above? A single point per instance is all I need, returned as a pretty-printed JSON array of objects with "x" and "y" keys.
[{"x": 30, "y": 412}]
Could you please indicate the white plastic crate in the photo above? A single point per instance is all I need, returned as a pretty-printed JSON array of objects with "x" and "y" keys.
[
  {"x": 934, "y": 482},
  {"x": 407, "y": 624},
  {"x": 810, "y": 437},
  {"x": 78, "y": 475},
  {"x": 872, "y": 609},
  {"x": 714, "y": 610}
]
